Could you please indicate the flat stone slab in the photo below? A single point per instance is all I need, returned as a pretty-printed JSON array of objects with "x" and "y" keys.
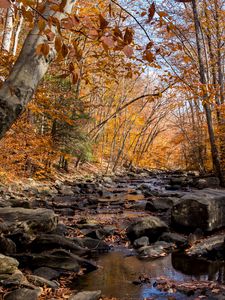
[
  {"x": 203, "y": 209},
  {"x": 34, "y": 220}
]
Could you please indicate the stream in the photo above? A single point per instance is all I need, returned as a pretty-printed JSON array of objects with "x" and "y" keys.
[{"x": 119, "y": 268}]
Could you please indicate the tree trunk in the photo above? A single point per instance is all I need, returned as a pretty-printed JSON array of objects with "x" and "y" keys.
[
  {"x": 8, "y": 30},
  {"x": 27, "y": 72},
  {"x": 214, "y": 150}
]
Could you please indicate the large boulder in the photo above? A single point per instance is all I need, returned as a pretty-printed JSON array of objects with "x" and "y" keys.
[
  {"x": 200, "y": 209},
  {"x": 31, "y": 220},
  {"x": 152, "y": 227}
]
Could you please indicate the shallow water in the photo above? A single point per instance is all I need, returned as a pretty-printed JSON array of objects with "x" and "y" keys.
[{"x": 117, "y": 271}]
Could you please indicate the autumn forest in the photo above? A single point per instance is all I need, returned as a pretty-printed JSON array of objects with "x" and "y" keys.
[{"x": 120, "y": 83}]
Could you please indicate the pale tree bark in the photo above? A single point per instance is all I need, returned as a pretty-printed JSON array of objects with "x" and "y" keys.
[
  {"x": 8, "y": 30},
  {"x": 28, "y": 71},
  {"x": 17, "y": 31}
]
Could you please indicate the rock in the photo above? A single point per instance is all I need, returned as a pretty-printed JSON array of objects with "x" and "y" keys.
[
  {"x": 159, "y": 249},
  {"x": 14, "y": 280},
  {"x": 157, "y": 204},
  {"x": 58, "y": 259},
  {"x": 200, "y": 209},
  {"x": 66, "y": 190},
  {"x": 99, "y": 234},
  {"x": 61, "y": 202},
  {"x": 47, "y": 273},
  {"x": 32, "y": 220},
  {"x": 152, "y": 227},
  {"x": 68, "y": 212},
  {"x": 142, "y": 241},
  {"x": 40, "y": 281},
  {"x": 7, "y": 246},
  {"x": 60, "y": 229},
  {"x": 177, "y": 180},
  {"x": 93, "y": 295},
  {"x": 175, "y": 238},
  {"x": 204, "y": 247},
  {"x": 208, "y": 182},
  {"x": 95, "y": 245},
  {"x": 23, "y": 293},
  {"x": 53, "y": 241},
  {"x": 8, "y": 265}
]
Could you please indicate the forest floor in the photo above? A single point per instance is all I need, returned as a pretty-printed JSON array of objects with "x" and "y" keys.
[{"x": 118, "y": 236}]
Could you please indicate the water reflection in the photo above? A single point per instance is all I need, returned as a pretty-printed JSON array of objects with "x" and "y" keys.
[
  {"x": 201, "y": 270},
  {"x": 116, "y": 273}
]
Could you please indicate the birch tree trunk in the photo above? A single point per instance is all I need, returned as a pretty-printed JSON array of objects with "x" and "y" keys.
[
  {"x": 28, "y": 71},
  {"x": 17, "y": 32},
  {"x": 8, "y": 30}
]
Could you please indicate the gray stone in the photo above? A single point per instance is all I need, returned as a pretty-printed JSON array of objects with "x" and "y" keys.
[
  {"x": 142, "y": 241},
  {"x": 158, "y": 204},
  {"x": 8, "y": 265},
  {"x": 66, "y": 190},
  {"x": 208, "y": 182},
  {"x": 159, "y": 249},
  {"x": 152, "y": 227},
  {"x": 47, "y": 273},
  {"x": 175, "y": 238},
  {"x": 200, "y": 209},
  {"x": 54, "y": 241},
  {"x": 203, "y": 247},
  {"x": 40, "y": 281},
  {"x": 32, "y": 220},
  {"x": 86, "y": 295},
  {"x": 23, "y": 293}
]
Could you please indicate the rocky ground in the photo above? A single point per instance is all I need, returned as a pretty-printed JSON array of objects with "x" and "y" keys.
[{"x": 49, "y": 233}]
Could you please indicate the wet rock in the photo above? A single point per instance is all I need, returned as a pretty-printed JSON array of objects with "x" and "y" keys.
[
  {"x": 93, "y": 295},
  {"x": 159, "y": 249},
  {"x": 200, "y": 209},
  {"x": 175, "y": 238},
  {"x": 152, "y": 227},
  {"x": 142, "y": 241},
  {"x": 32, "y": 220},
  {"x": 53, "y": 241},
  {"x": 41, "y": 281},
  {"x": 47, "y": 273},
  {"x": 23, "y": 293},
  {"x": 8, "y": 265},
  {"x": 7, "y": 246}
]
